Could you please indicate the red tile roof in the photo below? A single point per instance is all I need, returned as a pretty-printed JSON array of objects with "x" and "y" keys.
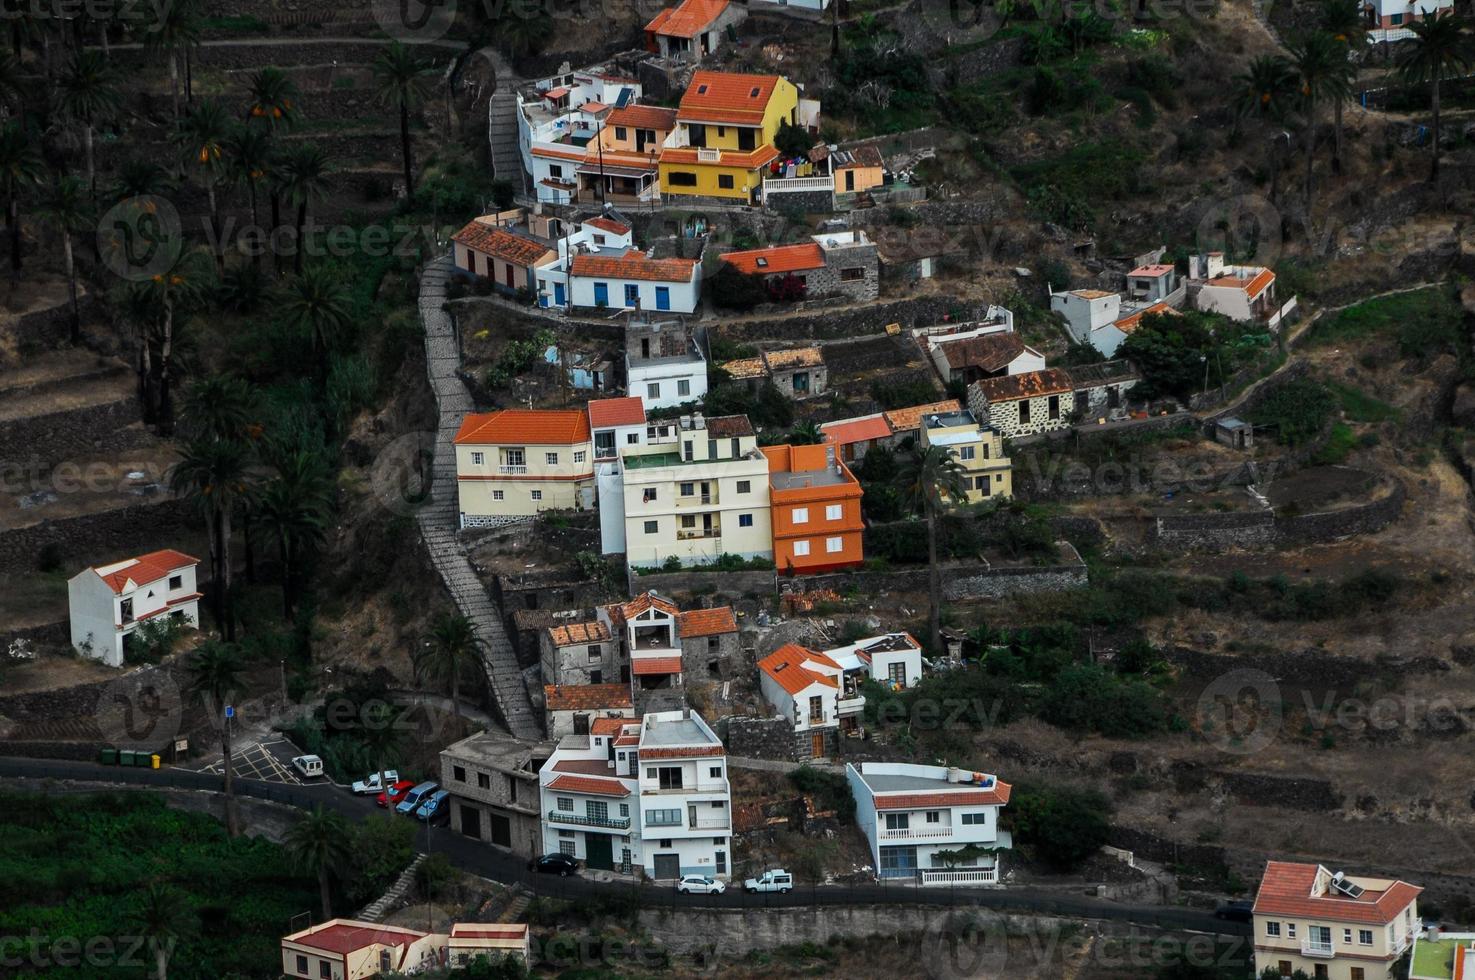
[
  {"x": 525, "y": 426},
  {"x": 687, "y": 19},
  {"x": 997, "y": 796},
  {"x": 760, "y": 156},
  {"x": 634, "y": 265},
  {"x": 1252, "y": 287},
  {"x": 727, "y": 97},
  {"x": 609, "y": 726},
  {"x": 794, "y": 357},
  {"x": 346, "y": 937},
  {"x": 1031, "y": 384},
  {"x": 564, "y": 636},
  {"x": 989, "y": 353},
  {"x": 682, "y": 752},
  {"x": 707, "y": 622},
  {"x": 779, "y": 258},
  {"x": 501, "y": 243},
  {"x": 584, "y": 697},
  {"x": 621, "y": 612},
  {"x": 643, "y": 117},
  {"x": 1286, "y": 889},
  {"x": 904, "y": 419},
  {"x": 643, "y": 666},
  {"x": 847, "y": 431},
  {"x": 606, "y": 413},
  {"x": 729, "y": 426},
  {"x": 786, "y": 666},
  {"x": 147, "y": 568},
  {"x": 608, "y": 224},
  {"x": 1131, "y": 322},
  {"x": 592, "y": 785}
]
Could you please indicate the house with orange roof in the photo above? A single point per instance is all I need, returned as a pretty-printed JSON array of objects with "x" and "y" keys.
[
  {"x": 723, "y": 143},
  {"x": 488, "y": 246},
  {"x": 933, "y": 825},
  {"x": 558, "y": 117},
  {"x": 516, "y": 462},
  {"x": 621, "y": 163},
  {"x": 580, "y": 652},
  {"x": 616, "y": 422},
  {"x": 854, "y": 437},
  {"x": 908, "y": 421},
  {"x": 349, "y": 949},
  {"x": 649, "y": 633},
  {"x": 1331, "y": 924},
  {"x": 633, "y": 280},
  {"x": 1240, "y": 292},
  {"x": 803, "y": 686},
  {"x": 798, "y": 372},
  {"x": 569, "y": 709},
  {"x": 107, "y": 603},
  {"x": 710, "y": 643},
  {"x": 838, "y": 264},
  {"x": 690, "y": 31},
  {"x": 814, "y": 503}
]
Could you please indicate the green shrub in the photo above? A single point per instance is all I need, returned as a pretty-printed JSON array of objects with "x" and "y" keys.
[
  {"x": 1063, "y": 826},
  {"x": 1297, "y": 411}
]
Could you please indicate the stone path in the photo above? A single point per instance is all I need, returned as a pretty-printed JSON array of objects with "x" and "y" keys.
[
  {"x": 376, "y": 910},
  {"x": 438, "y": 517}
]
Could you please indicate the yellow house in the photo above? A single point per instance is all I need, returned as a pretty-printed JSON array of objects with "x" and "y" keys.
[
  {"x": 979, "y": 450},
  {"x": 517, "y": 462},
  {"x": 725, "y": 128}
]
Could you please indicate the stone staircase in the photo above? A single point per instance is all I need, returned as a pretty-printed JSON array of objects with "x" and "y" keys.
[
  {"x": 438, "y": 518},
  {"x": 502, "y": 122},
  {"x": 392, "y": 899},
  {"x": 521, "y": 899}
]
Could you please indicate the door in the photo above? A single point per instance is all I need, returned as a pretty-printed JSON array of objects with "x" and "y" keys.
[
  {"x": 510, "y": 283},
  {"x": 601, "y": 294},
  {"x": 691, "y": 816},
  {"x": 558, "y": 294},
  {"x": 850, "y": 180},
  {"x": 500, "y": 828},
  {"x": 663, "y": 297},
  {"x": 471, "y": 821},
  {"x": 667, "y": 866},
  {"x": 599, "y": 851},
  {"x": 817, "y": 745}
]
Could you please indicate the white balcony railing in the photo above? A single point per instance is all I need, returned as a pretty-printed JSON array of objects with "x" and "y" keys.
[
  {"x": 781, "y": 184},
  {"x": 507, "y": 469},
  {"x": 959, "y": 876},
  {"x": 918, "y": 833},
  {"x": 1311, "y": 947}
]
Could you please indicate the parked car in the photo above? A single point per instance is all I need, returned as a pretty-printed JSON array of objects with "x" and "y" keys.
[
  {"x": 435, "y": 808},
  {"x": 369, "y": 785},
  {"x": 397, "y": 791},
  {"x": 416, "y": 796},
  {"x": 562, "y": 865},
  {"x": 1235, "y": 911},
  {"x": 310, "y": 766},
  {"x": 700, "y": 885},
  {"x": 772, "y": 880}
]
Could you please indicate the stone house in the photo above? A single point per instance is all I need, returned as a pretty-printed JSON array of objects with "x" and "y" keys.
[
  {"x": 1101, "y": 389},
  {"x": 692, "y": 30},
  {"x": 581, "y": 653},
  {"x": 571, "y": 709},
  {"x": 493, "y": 781},
  {"x": 709, "y": 641},
  {"x": 799, "y": 372},
  {"x": 835, "y": 264},
  {"x": 1024, "y": 404}
]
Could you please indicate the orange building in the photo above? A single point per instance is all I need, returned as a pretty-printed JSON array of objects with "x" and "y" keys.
[{"x": 815, "y": 507}]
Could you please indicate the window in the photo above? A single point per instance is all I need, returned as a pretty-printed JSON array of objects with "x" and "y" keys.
[
  {"x": 683, "y": 386},
  {"x": 688, "y": 521},
  {"x": 596, "y": 809},
  {"x": 745, "y": 486},
  {"x": 579, "y": 456},
  {"x": 801, "y": 515},
  {"x": 669, "y": 777},
  {"x": 632, "y": 438},
  {"x": 852, "y": 275},
  {"x": 458, "y": 773},
  {"x": 966, "y": 452},
  {"x": 745, "y": 520},
  {"x": 325, "y": 969},
  {"x": 663, "y": 297},
  {"x": 801, "y": 548},
  {"x": 662, "y": 818},
  {"x": 724, "y": 181},
  {"x": 478, "y": 458},
  {"x": 1290, "y": 930},
  {"x": 551, "y": 459},
  {"x": 688, "y": 489},
  {"x": 499, "y": 494},
  {"x": 176, "y": 582},
  {"x": 1054, "y": 405},
  {"x": 1364, "y": 937},
  {"x": 898, "y": 821},
  {"x": 1272, "y": 928},
  {"x": 624, "y": 809},
  {"x": 833, "y": 545},
  {"x": 681, "y": 178},
  {"x": 716, "y": 773},
  {"x": 620, "y": 132},
  {"x": 1347, "y": 936},
  {"x": 652, "y": 527},
  {"x": 511, "y": 787},
  {"x": 632, "y": 294},
  {"x": 648, "y": 495},
  {"x": 537, "y": 494},
  {"x": 483, "y": 780},
  {"x": 1024, "y": 412},
  {"x": 834, "y": 512},
  {"x": 595, "y": 654},
  {"x": 975, "y": 819},
  {"x": 816, "y": 709},
  {"x": 982, "y": 485},
  {"x": 302, "y": 965},
  {"x": 653, "y": 390},
  {"x": 565, "y": 804},
  {"x": 566, "y": 847},
  {"x": 934, "y": 816},
  {"x": 1356, "y": 973},
  {"x": 1395, "y": 19},
  {"x": 1284, "y": 966}
]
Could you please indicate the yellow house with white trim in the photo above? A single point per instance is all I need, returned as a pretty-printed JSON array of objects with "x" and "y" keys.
[
  {"x": 726, "y": 125},
  {"x": 517, "y": 462}
]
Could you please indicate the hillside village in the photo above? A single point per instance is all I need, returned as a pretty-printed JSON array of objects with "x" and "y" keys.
[{"x": 765, "y": 489}]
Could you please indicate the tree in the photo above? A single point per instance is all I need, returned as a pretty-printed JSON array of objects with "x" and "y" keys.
[
  {"x": 1322, "y": 72},
  {"x": 401, "y": 77},
  {"x": 294, "y": 508},
  {"x": 139, "y": 178},
  {"x": 176, "y": 33},
  {"x": 249, "y": 158},
  {"x": 161, "y": 915},
  {"x": 930, "y": 480},
  {"x": 1064, "y": 826},
  {"x": 214, "y": 474},
  {"x": 214, "y": 673},
  {"x": 806, "y": 433},
  {"x": 1440, "y": 49},
  {"x": 733, "y": 289},
  {"x": 451, "y": 647},
  {"x": 202, "y": 138},
  {"x": 89, "y": 94},
  {"x": 320, "y": 842},
  {"x": 220, "y": 407},
  {"x": 304, "y": 178},
  {"x": 1343, "y": 21},
  {"x": 317, "y": 304},
  {"x": 272, "y": 99},
  {"x": 65, "y": 208},
  {"x": 793, "y": 141},
  {"x": 1266, "y": 91},
  {"x": 165, "y": 295},
  {"x": 20, "y": 167},
  {"x": 1172, "y": 352}
]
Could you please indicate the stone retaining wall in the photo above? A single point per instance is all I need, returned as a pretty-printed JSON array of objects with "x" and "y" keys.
[
  {"x": 969, "y": 580},
  {"x": 119, "y": 532},
  {"x": 761, "y": 582},
  {"x": 918, "y": 311},
  {"x": 60, "y": 436},
  {"x": 760, "y": 738},
  {"x": 46, "y": 328},
  {"x": 1256, "y": 529}
]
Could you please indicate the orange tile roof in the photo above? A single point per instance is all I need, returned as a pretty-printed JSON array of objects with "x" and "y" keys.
[
  {"x": 863, "y": 429},
  {"x": 346, "y": 936},
  {"x": 1131, "y": 322},
  {"x": 643, "y": 666},
  {"x": 147, "y": 568},
  {"x": 1031, "y": 384},
  {"x": 683, "y": 752},
  {"x": 1091, "y": 293},
  {"x": 565, "y": 636},
  {"x": 746, "y": 367},
  {"x": 622, "y": 612},
  {"x": 606, "y": 413},
  {"x": 786, "y": 666},
  {"x": 584, "y": 697},
  {"x": 687, "y": 19},
  {"x": 608, "y": 224},
  {"x": 479, "y": 930},
  {"x": 555, "y": 153},
  {"x": 1252, "y": 287},
  {"x": 903, "y": 419},
  {"x": 501, "y": 243},
  {"x": 707, "y": 622},
  {"x": 729, "y": 426},
  {"x": 795, "y": 357},
  {"x": 643, "y": 117},
  {"x": 1286, "y": 890},
  {"x": 779, "y": 258},
  {"x": 609, "y": 726},
  {"x": 634, "y": 265},
  {"x": 997, "y": 796},
  {"x": 727, "y": 97},
  {"x": 748, "y": 160},
  {"x": 592, "y": 785},
  {"x": 531, "y": 426}
]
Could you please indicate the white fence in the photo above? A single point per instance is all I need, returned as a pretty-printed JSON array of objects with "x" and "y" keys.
[
  {"x": 958, "y": 876},
  {"x": 1279, "y": 315}
]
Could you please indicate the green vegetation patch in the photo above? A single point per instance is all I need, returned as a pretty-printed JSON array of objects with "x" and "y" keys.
[
  {"x": 1423, "y": 322},
  {"x": 1359, "y": 406}
]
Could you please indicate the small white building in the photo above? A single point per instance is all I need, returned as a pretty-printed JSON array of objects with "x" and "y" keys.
[
  {"x": 633, "y": 280},
  {"x": 347, "y": 949},
  {"x": 1240, "y": 292},
  {"x": 557, "y": 117},
  {"x": 664, "y": 365},
  {"x": 931, "y": 824},
  {"x": 108, "y": 602}
]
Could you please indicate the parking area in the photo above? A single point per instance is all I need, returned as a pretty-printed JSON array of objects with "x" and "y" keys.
[{"x": 269, "y": 760}]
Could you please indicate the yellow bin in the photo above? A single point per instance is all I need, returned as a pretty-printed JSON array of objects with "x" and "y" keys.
[{"x": 155, "y": 760}]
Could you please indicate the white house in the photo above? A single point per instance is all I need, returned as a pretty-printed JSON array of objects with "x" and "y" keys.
[
  {"x": 347, "y": 949},
  {"x": 632, "y": 280},
  {"x": 664, "y": 366},
  {"x": 108, "y": 602},
  {"x": 606, "y": 234},
  {"x": 1388, "y": 20},
  {"x": 557, "y": 117},
  {"x": 931, "y": 824},
  {"x": 1240, "y": 292}
]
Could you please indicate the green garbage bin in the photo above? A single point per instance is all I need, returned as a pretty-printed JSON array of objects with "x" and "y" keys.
[
  {"x": 143, "y": 760},
  {"x": 108, "y": 757},
  {"x": 125, "y": 757}
]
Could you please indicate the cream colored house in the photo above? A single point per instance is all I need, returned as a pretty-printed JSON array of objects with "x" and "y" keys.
[
  {"x": 516, "y": 462},
  {"x": 697, "y": 497},
  {"x": 1333, "y": 925},
  {"x": 979, "y": 450}
]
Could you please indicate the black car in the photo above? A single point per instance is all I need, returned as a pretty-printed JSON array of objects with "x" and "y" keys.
[
  {"x": 554, "y": 864},
  {"x": 1235, "y": 911}
]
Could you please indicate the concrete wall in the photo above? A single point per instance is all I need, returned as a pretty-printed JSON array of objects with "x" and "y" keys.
[
  {"x": 727, "y": 583},
  {"x": 960, "y": 581}
]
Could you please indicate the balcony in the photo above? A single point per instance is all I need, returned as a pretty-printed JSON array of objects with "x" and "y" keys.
[
  {"x": 513, "y": 469},
  {"x": 918, "y": 833},
  {"x": 695, "y": 533},
  {"x": 849, "y": 706},
  {"x": 958, "y": 876},
  {"x": 696, "y": 499},
  {"x": 709, "y": 823},
  {"x": 1315, "y": 949},
  {"x": 575, "y": 820}
]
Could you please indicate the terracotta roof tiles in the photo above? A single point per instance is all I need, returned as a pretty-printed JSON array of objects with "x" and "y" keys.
[
  {"x": 592, "y": 785},
  {"x": 634, "y": 265},
  {"x": 707, "y": 622},
  {"x": 786, "y": 666},
  {"x": 579, "y": 633},
  {"x": 729, "y": 426},
  {"x": 606, "y": 413},
  {"x": 727, "y": 97},
  {"x": 585, "y": 697},
  {"x": 1031, "y": 384},
  {"x": 145, "y": 568},
  {"x": 989, "y": 353},
  {"x": 525, "y": 426},
  {"x": 905, "y": 419},
  {"x": 794, "y": 358},
  {"x": 1286, "y": 889},
  {"x": 777, "y": 258},
  {"x": 645, "y": 666},
  {"x": 501, "y": 243},
  {"x": 643, "y": 117},
  {"x": 682, "y": 752},
  {"x": 687, "y": 19},
  {"x": 997, "y": 796},
  {"x": 863, "y": 429}
]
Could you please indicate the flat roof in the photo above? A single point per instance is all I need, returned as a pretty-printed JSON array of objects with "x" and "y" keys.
[
  {"x": 681, "y": 731},
  {"x": 880, "y": 783},
  {"x": 802, "y": 479},
  {"x": 948, "y": 420}
]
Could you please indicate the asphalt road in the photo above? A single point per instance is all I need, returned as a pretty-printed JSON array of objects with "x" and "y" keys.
[{"x": 481, "y": 859}]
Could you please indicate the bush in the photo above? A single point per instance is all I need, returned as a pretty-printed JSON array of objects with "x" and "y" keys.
[
  {"x": 1062, "y": 826},
  {"x": 1088, "y": 698},
  {"x": 733, "y": 289},
  {"x": 829, "y": 789},
  {"x": 1297, "y": 410}
]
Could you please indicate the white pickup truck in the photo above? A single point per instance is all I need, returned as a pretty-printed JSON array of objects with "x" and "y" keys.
[
  {"x": 773, "y": 880},
  {"x": 369, "y": 785}
]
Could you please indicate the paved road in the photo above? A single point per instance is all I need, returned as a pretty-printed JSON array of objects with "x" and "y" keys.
[{"x": 484, "y": 860}]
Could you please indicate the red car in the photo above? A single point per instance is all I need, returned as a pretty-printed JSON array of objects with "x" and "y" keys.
[{"x": 397, "y": 792}]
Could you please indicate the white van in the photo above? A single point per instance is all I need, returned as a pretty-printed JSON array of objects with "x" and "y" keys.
[
  {"x": 773, "y": 880},
  {"x": 310, "y": 766}
]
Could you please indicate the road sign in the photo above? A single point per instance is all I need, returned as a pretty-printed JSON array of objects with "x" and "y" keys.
[{"x": 230, "y": 711}]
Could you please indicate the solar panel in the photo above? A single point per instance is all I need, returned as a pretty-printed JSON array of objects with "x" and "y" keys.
[{"x": 1347, "y": 888}]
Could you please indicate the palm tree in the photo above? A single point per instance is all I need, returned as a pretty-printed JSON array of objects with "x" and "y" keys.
[
  {"x": 806, "y": 433},
  {"x": 161, "y": 915},
  {"x": 1321, "y": 72},
  {"x": 304, "y": 178},
  {"x": 20, "y": 167},
  {"x": 66, "y": 209},
  {"x": 139, "y": 178},
  {"x": 402, "y": 77},
  {"x": 1440, "y": 50},
  {"x": 451, "y": 646},
  {"x": 1343, "y": 20},
  {"x": 930, "y": 480},
  {"x": 317, "y": 303},
  {"x": 1267, "y": 92},
  {"x": 176, "y": 32},
  {"x": 320, "y": 843},
  {"x": 220, "y": 407},
  {"x": 214, "y": 673},
  {"x": 272, "y": 99},
  {"x": 249, "y": 153},
  {"x": 294, "y": 507},
  {"x": 168, "y": 292},
  {"x": 202, "y": 140},
  {"x": 214, "y": 473},
  {"x": 89, "y": 93}
]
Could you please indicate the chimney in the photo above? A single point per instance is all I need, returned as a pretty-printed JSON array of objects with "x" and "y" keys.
[{"x": 698, "y": 421}]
